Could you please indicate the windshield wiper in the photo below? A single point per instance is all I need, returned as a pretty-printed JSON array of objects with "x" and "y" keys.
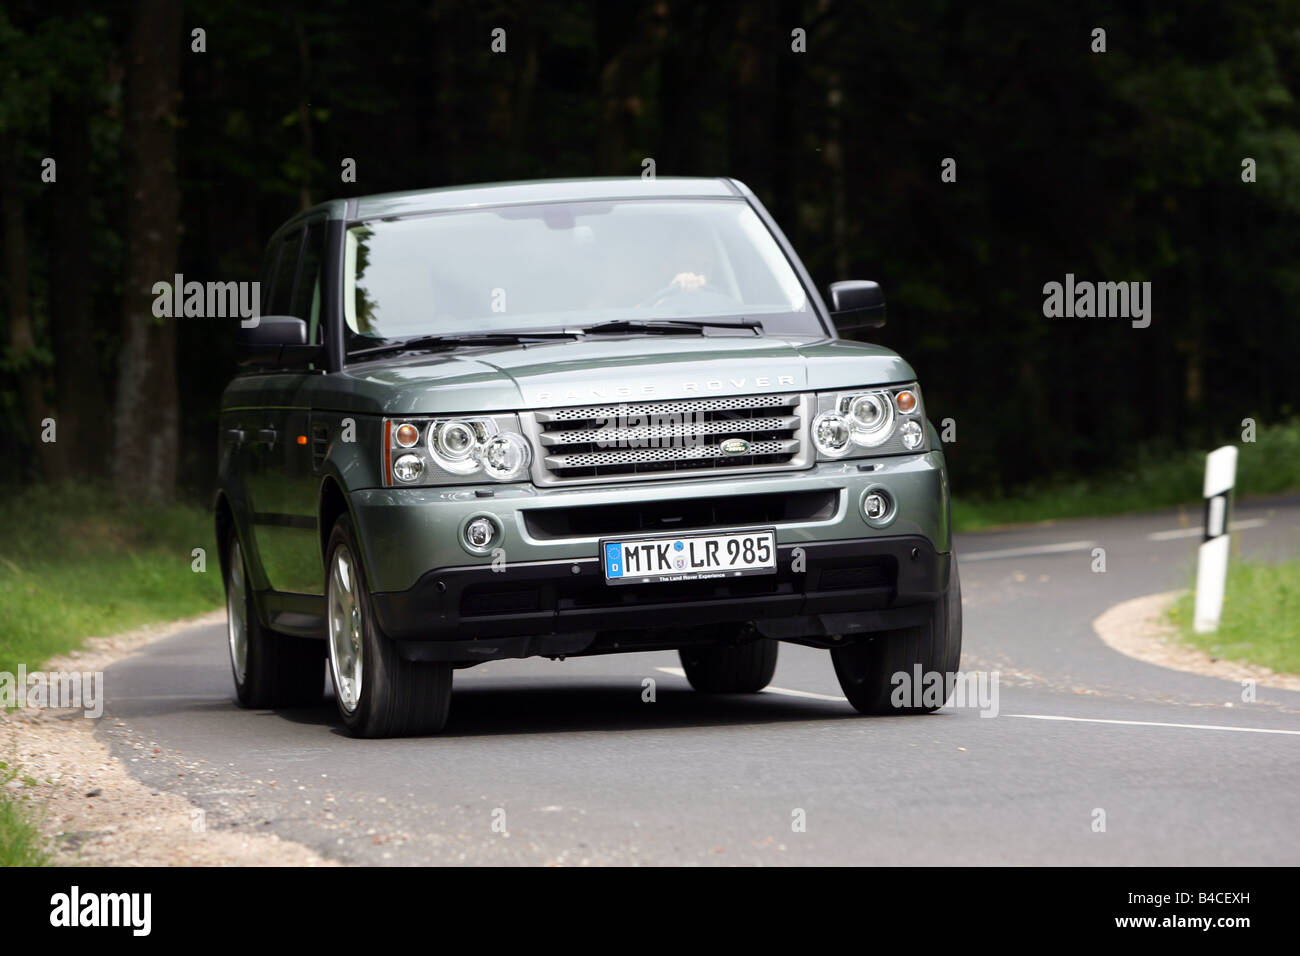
[
  {"x": 456, "y": 341},
  {"x": 669, "y": 327}
]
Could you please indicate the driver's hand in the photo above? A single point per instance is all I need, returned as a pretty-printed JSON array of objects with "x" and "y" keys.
[{"x": 689, "y": 281}]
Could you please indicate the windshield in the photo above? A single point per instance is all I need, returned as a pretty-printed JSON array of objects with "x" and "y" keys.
[{"x": 565, "y": 265}]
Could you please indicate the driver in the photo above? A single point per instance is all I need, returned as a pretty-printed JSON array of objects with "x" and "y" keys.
[
  {"x": 692, "y": 257},
  {"x": 689, "y": 281}
]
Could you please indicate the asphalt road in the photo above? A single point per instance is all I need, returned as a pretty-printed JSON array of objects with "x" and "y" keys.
[{"x": 562, "y": 762}]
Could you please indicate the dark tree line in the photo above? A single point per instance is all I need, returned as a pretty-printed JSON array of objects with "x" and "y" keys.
[{"x": 180, "y": 152}]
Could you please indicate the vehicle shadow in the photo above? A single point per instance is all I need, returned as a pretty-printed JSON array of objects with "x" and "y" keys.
[{"x": 486, "y": 709}]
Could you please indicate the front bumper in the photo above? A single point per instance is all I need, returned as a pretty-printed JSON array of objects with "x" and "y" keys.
[
  {"x": 565, "y": 608},
  {"x": 838, "y": 573}
]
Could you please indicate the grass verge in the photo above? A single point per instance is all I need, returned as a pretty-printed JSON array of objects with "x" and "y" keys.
[
  {"x": 1261, "y": 617},
  {"x": 73, "y": 563},
  {"x": 21, "y": 841},
  {"x": 1269, "y": 465}
]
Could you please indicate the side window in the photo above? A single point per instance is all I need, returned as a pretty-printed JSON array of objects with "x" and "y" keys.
[
  {"x": 306, "y": 300},
  {"x": 269, "y": 262},
  {"x": 282, "y": 292}
]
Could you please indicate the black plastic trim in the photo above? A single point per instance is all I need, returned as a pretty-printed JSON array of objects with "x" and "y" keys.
[{"x": 474, "y": 613}]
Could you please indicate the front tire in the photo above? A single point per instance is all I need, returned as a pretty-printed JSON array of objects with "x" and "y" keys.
[
  {"x": 269, "y": 669},
  {"x": 730, "y": 669},
  {"x": 866, "y": 668},
  {"x": 378, "y": 694}
]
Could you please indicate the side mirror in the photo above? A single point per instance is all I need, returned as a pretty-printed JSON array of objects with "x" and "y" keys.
[
  {"x": 277, "y": 341},
  {"x": 857, "y": 304}
]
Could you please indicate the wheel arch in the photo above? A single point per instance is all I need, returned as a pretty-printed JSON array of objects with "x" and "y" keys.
[
  {"x": 223, "y": 520},
  {"x": 332, "y": 503}
]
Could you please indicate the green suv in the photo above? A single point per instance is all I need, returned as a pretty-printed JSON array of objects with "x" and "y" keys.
[{"x": 566, "y": 418}]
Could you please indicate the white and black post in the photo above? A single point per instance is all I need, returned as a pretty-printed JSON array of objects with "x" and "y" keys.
[{"x": 1212, "y": 563}]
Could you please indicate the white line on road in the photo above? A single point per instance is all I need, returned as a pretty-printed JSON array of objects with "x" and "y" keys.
[
  {"x": 804, "y": 693},
  {"x": 1028, "y": 552},
  {"x": 1154, "y": 723},
  {"x": 678, "y": 672},
  {"x": 1197, "y": 532}
]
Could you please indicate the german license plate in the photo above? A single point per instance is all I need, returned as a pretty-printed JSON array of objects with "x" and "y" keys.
[{"x": 688, "y": 557}]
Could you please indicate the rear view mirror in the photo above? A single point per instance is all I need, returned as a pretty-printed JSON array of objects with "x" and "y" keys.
[
  {"x": 857, "y": 304},
  {"x": 277, "y": 341}
]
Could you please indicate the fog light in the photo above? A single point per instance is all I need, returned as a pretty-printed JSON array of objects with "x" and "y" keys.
[
  {"x": 876, "y": 505},
  {"x": 479, "y": 533},
  {"x": 912, "y": 434},
  {"x": 408, "y": 467}
]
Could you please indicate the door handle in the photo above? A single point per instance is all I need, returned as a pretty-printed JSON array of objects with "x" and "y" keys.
[
  {"x": 267, "y": 435},
  {"x": 236, "y": 436}
]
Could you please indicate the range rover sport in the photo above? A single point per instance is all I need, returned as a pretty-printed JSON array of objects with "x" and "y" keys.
[{"x": 567, "y": 418}]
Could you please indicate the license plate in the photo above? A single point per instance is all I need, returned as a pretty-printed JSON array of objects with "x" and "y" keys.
[{"x": 688, "y": 557}]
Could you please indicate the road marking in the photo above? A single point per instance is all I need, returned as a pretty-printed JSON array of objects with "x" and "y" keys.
[
  {"x": 1155, "y": 723},
  {"x": 678, "y": 672},
  {"x": 1197, "y": 532},
  {"x": 1028, "y": 552},
  {"x": 804, "y": 693}
]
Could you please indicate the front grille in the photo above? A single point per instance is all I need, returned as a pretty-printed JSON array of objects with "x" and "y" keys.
[{"x": 669, "y": 439}]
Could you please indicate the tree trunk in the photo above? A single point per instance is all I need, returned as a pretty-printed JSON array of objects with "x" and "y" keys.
[
  {"x": 146, "y": 417},
  {"x": 22, "y": 336},
  {"x": 81, "y": 396}
]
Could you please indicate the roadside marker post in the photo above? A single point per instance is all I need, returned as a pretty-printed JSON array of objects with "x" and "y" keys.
[{"x": 1212, "y": 562}]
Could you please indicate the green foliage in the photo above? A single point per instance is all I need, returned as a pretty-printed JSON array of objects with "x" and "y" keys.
[
  {"x": 74, "y": 564},
  {"x": 1260, "y": 623},
  {"x": 1269, "y": 465},
  {"x": 21, "y": 841},
  {"x": 1123, "y": 165}
]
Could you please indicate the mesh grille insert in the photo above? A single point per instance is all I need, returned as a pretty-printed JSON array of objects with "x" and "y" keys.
[{"x": 671, "y": 438}]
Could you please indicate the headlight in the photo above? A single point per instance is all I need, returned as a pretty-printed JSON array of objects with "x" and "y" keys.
[
  {"x": 408, "y": 468},
  {"x": 831, "y": 434},
  {"x": 871, "y": 418},
  {"x": 452, "y": 444},
  {"x": 877, "y": 421},
  {"x": 505, "y": 457},
  {"x": 433, "y": 451}
]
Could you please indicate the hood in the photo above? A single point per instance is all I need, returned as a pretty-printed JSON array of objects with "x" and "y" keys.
[{"x": 610, "y": 369}]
